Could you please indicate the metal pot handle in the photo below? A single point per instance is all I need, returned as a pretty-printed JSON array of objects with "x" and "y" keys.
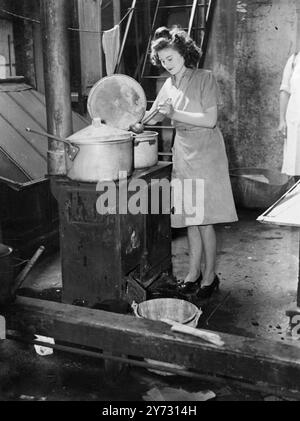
[
  {"x": 72, "y": 150},
  {"x": 136, "y": 142},
  {"x": 198, "y": 315},
  {"x": 134, "y": 307}
]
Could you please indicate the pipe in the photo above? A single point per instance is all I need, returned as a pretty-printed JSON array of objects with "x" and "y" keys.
[
  {"x": 214, "y": 379},
  {"x": 23, "y": 274},
  {"x": 54, "y": 23},
  {"x": 125, "y": 35}
]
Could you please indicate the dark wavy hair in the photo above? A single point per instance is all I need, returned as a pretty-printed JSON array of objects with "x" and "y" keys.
[{"x": 177, "y": 39}]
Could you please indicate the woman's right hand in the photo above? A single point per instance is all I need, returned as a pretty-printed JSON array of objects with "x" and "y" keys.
[{"x": 283, "y": 128}]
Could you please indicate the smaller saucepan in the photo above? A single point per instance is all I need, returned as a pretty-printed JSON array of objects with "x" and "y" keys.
[{"x": 145, "y": 149}]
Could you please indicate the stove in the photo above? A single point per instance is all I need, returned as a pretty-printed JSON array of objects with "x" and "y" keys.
[{"x": 115, "y": 256}]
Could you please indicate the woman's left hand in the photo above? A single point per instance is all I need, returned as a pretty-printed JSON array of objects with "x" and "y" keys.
[{"x": 166, "y": 108}]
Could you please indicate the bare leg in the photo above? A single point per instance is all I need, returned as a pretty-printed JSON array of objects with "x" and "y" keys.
[
  {"x": 195, "y": 253},
  {"x": 209, "y": 239}
]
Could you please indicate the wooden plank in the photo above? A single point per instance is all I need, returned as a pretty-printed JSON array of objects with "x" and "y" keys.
[
  {"x": 257, "y": 361},
  {"x": 89, "y": 16}
]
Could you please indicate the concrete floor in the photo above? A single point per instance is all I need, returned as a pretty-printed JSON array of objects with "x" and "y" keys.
[{"x": 258, "y": 267}]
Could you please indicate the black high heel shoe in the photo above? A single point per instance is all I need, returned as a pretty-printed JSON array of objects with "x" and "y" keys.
[
  {"x": 190, "y": 287},
  {"x": 207, "y": 290}
]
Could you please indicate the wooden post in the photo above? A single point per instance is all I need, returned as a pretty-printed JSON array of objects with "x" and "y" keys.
[
  {"x": 298, "y": 290},
  {"x": 89, "y": 20},
  {"x": 54, "y": 21},
  {"x": 116, "y": 11}
]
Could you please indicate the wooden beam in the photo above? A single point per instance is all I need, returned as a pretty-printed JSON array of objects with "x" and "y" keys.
[
  {"x": 89, "y": 17},
  {"x": 116, "y": 11},
  {"x": 257, "y": 361}
]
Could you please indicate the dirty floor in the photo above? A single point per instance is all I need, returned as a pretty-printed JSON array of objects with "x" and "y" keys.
[{"x": 258, "y": 268}]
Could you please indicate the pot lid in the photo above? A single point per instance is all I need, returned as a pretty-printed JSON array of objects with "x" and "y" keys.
[
  {"x": 99, "y": 133},
  {"x": 118, "y": 101}
]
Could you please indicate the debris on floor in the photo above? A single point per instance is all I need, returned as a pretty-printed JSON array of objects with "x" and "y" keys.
[
  {"x": 273, "y": 399},
  {"x": 32, "y": 398},
  {"x": 43, "y": 350},
  {"x": 177, "y": 395},
  {"x": 2, "y": 328}
]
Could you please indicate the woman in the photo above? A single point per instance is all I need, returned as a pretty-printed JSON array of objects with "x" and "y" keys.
[
  {"x": 189, "y": 97},
  {"x": 289, "y": 124}
]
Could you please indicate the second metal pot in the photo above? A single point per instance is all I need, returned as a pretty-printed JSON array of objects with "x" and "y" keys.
[{"x": 145, "y": 149}]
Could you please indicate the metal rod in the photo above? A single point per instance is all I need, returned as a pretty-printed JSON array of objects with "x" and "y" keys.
[
  {"x": 150, "y": 37},
  {"x": 185, "y": 373},
  {"x": 278, "y": 201},
  {"x": 126, "y": 34},
  {"x": 192, "y": 16},
  {"x": 9, "y": 55},
  {"x": 165, "y": 154},
  {"x": 217, "y": 308},
  {"x": 103, "y": 356},
  {"x": 23, "y": 274}
]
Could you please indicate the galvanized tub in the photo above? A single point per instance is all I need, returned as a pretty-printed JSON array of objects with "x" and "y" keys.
[{"x": 179, "y": 311}]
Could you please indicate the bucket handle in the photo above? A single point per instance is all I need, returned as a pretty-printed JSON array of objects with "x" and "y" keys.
[
  {"x": 198, "y": 315},
  {"x": 135, "y": 307},
  {"x": 150, "y": 141}
]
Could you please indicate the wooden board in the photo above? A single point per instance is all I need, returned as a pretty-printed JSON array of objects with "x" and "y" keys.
[
  {"x": 257, "y": 361},
  {"x": 286, "y": 211},
  {"x": 89, "y": 16}
]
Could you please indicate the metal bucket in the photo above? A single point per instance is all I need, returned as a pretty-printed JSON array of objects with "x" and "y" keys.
[
  {"x": 179, "y": 311},
  {"x": 258, "y": 188},
  {"x": 6, "y": 274}
]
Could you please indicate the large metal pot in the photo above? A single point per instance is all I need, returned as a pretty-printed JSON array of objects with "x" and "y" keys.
[
  {"x": 105, "y": 154},
  {"x": 145, "y": 149},
  {"x": 97, "y": 153}
]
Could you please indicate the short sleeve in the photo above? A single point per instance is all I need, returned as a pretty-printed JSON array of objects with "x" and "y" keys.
[
  {"x": 210, "y": 91},
  {"x": 287, "y": 74}
]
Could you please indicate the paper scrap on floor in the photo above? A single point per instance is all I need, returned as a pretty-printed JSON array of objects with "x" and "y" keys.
[
  {"x": 257, "y": 177},
  {"x": 43, "y": 350},
  {"x": 177, "y": 395},
  {"x": 2, "y": 328}
]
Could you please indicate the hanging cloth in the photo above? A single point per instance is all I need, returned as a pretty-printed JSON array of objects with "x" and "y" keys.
[{"x": 111, "y": 48}]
